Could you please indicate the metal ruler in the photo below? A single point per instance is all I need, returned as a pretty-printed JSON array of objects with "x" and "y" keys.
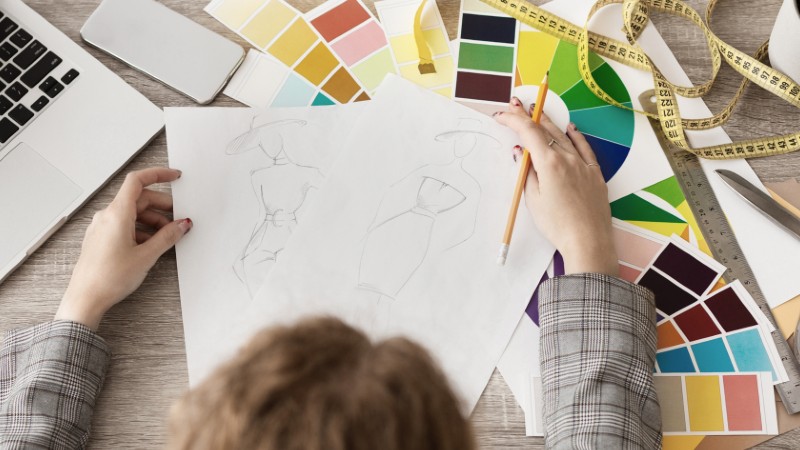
[{"x": 723, "y": 244}]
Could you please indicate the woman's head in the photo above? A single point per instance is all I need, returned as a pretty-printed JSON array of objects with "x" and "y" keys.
[{"x": 322, "y": 385}]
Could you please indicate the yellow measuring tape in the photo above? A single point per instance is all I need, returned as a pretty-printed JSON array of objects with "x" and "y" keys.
[
  {"x": 425, "y": 58},
  {"x": 635, "y": 18}
]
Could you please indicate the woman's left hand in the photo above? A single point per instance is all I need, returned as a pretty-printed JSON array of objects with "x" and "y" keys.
[{"x": 116, "y": 256}]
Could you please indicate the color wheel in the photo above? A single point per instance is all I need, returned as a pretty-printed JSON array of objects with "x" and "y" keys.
[{"x": 608, "y": 129}]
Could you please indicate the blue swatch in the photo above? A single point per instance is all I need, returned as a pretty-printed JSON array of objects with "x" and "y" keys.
[
  {"x": 674, "y": 361},
  {"x": 295, "y": 92},
  {"x": 610, "y": 155},
  {"x": 749, "y": 352},
  {"x": 322, "y": 100},
  {"x": 712, "y": 356}
]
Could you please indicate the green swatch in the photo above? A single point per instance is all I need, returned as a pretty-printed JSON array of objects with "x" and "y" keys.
[{"x": 492, "y": 58}]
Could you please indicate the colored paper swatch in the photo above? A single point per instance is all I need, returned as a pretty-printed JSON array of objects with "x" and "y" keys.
[
  {"x": 397, "y": 18},
  {"x": 716, "y": 404},
  {"x": 687, "y": 269},
  {"x": 279, "y": 30},
  {"x": 670, "y": 298},
  {"x": 696, "y": 323},
  {"x": 712, "y": 356},
  {"x": 724, "y": 331},
  {"x": 356, "y": 38},
  {"x": 608, "y": 129},
  {"x": 661, "y": 208},
  {"x": 487, "y": 54},
  {"x": 635, "y": 247},
  {"x": 675, "y": 361},
  {"x": 729, "y": 310}
]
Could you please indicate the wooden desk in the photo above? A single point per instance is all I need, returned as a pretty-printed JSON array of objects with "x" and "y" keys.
[{"x": 145, "y": 332}]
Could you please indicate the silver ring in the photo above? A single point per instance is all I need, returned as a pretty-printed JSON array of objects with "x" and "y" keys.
[
  {"x": 592, "y": 164},
  {"x": 552, "y": 141}
]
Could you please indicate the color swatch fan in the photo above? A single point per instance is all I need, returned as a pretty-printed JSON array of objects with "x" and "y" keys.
[
  {"x": 486, "y": 54},
  {"x": 607, "y": 128},
  {"x": 397, "y": 17},
  {"x": 356, "y": 38},
  {"x": 692, "y": 404},
  {"x": 297, "y": 69}
]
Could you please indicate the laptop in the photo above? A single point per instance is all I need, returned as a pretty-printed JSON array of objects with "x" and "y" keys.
[{"x": 67, "y": 125}]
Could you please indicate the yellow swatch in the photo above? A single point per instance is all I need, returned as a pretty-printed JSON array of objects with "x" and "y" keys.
[
  {"x": 316, "y": 66},
  {"x": 704, "y": 402},
  {"x": 662, "y": 228},
  {"x": 292, "y": 44},
  {"x": 534, "y": 55},
  {"x": 444, "y": 73},
  {"x": 235, "y": 13},
  {"x": 270, "y": 21},
  {"x": 405, "y": 48},
  {"x": 681, "y": 442}
]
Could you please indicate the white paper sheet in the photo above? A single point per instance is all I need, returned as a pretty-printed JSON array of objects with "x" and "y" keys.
[
  {"x": 248, "y": 178},
  {"x": 404, "y": 236},
  {"x": 772, "y": 256}
]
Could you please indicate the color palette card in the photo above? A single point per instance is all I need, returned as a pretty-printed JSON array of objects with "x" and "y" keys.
[
  {"x": 636, "y": 248},
  {"x": 397, "y": 17},
  {"x": 486, "y": 54},
  {"x": 315, "y": 75},
  {"x": 680, "y": 275},
  {"x": 356, "y": 38},
  {"x": 712, "y": 404},
  {"x": 724, "y": 332}
]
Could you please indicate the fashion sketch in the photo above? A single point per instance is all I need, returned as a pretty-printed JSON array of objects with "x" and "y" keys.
[
  {"x": 431, "y": 210},
  {"x": 281, "y": 188}
]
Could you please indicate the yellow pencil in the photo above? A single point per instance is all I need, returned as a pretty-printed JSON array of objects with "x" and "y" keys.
[{"x": 523, "y": 175}]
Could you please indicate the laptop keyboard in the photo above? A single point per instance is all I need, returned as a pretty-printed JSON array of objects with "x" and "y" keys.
[{"x": 31, "y": 78}]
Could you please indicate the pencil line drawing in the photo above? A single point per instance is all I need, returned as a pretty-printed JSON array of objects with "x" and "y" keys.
[
  {"x": 431, "y": 210},
  {"x": 281, "y": 188}
]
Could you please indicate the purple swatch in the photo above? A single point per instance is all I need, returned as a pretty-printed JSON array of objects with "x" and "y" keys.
[{"x": 533, "y": 306}]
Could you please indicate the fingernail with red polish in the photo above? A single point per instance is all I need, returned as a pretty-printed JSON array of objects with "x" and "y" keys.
[
  {"x": 515, "y": 101},
  {"x": 185, "y": 225}
]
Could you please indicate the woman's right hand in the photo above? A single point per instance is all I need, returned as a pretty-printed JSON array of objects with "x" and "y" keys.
[{"x": 565, "y": 192}]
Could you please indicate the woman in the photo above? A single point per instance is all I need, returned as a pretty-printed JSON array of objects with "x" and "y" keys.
[{"x": 323, "y": 385}]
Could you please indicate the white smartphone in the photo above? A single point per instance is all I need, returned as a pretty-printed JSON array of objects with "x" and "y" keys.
[{"x": 169, "y": 47}]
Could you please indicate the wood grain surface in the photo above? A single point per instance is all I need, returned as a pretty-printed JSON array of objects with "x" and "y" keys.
[{"x": 148, "y": 371}]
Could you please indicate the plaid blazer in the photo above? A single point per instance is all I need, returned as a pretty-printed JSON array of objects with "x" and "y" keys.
[
  {"x": 50, "y": 377},
  {"x": 597, "y": 354},
  {"x": 598, "y": 344}
]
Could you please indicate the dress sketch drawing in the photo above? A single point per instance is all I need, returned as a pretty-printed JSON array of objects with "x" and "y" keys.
[
  {"x": 281, "y": 188},
  {"x": 431, "y": 210}
]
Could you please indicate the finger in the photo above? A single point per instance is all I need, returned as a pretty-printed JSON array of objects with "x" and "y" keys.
[
  {"x": 516, "y": 153},
  {"x": 581, "y": 145},
  {"x": 135, "y": 182},
  {"x": 532, "y": 180},
  {"x": 152, "y": 219},
  {"x": 563, "y": 141},
  {"x": 142, "y": 236},
  {"x": 521, "y": 124},
  {"x": 515, "y": 107},
  {"x": 165, "y": 239},
  {"x": 153, "y": 200}
]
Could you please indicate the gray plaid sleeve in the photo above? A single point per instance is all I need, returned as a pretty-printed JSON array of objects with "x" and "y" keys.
[
  {"x": 598, "y": 346},
  {"x": 50, "y": 377}
]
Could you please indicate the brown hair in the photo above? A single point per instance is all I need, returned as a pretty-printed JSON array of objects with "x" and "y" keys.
[{"x": 322, "y": 385}]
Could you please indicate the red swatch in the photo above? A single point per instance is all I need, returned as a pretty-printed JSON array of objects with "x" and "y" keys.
[
  {"x": 340, "y": 19},
  {"x": 741, "y": 402},
  {"x": 696, "y": 324}
]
